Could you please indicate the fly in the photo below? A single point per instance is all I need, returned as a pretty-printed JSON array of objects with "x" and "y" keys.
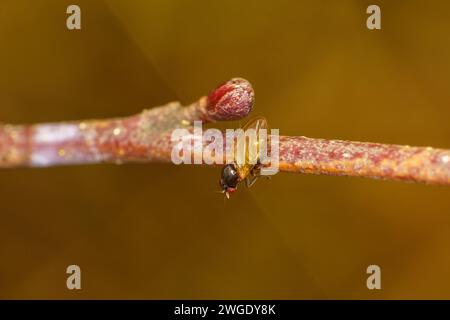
[{"x": 250, "y": 169}]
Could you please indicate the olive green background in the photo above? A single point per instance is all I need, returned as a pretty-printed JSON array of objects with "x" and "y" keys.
[{"x": 159, "y": 230}]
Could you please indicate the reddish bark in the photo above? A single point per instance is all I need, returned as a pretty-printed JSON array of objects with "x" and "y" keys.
[
  {"x": 146, "y": 137},
  {"x": 375, "y": 160}
]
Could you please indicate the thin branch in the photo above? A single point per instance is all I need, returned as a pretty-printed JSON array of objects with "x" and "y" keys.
[
  {"x": 142, "y": 137},
  {"x": 146, "y": 137},
  {"x": 364, "y": 159}
]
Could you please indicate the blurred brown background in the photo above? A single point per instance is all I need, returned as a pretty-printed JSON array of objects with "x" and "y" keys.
[{"x": 160, "y": 231}]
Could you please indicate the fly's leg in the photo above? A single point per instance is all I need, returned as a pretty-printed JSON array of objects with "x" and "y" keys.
[
  {"x": 254, "y": 175},
  {"x": 249, "y": 181},
  {"x": 257, "y": 171}
]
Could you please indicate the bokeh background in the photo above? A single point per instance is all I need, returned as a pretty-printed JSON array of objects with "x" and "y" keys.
[{"x": 158, "y": 231}]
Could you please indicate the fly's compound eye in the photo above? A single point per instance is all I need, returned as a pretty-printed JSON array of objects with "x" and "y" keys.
[{"x": 230, "y": 177}]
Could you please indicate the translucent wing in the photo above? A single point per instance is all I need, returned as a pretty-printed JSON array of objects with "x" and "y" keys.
[
  {"x": 255, "y": 123},
  {"x": 251, "y": 158}
]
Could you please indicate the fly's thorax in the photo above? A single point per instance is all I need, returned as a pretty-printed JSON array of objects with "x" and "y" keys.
[{"x": 244, "y": 171}]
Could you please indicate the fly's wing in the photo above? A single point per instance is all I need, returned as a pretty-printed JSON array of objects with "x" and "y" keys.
[
  {"x": 256, "y": 123},
  {"x": 251, "y": 158}
]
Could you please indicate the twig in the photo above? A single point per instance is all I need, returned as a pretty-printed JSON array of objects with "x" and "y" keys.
[
  {"x": 363, "y": 159},
  {"x": 142, "y": 137},
  {"x": 146, "y": 137}
]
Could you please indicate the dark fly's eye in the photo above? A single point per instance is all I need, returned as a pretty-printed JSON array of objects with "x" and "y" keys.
[{"x": 229, "y": 176}]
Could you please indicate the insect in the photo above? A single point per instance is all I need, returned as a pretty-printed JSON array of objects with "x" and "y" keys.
[{"x": 250, "y": 169}]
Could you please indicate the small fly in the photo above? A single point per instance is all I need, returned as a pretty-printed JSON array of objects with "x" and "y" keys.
[{"x": 250, "y": 169}]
